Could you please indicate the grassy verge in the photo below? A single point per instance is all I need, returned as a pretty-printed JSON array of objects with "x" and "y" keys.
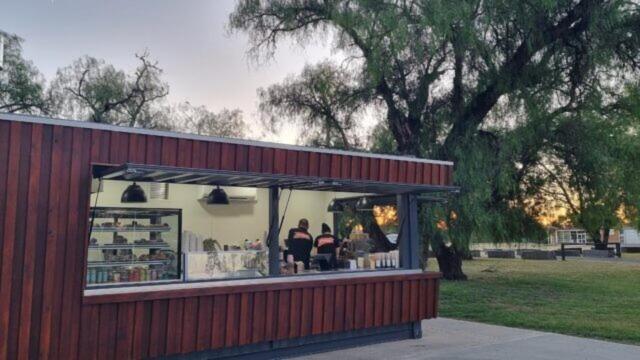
[
  {"x": 634, "y": 256},
  {"x": 584, "y": 298}
]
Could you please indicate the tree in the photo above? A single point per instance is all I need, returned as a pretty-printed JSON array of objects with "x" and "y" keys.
[
  {"x": 202, "y": 121},
  {"x": 593, "y": 167},
  {"x": 325, "y": 99},
  {"x": 90, "y": 89},
  {"x": 381, "y": 139},
  {"x": 480, "y": 83},
  {"x": 21, "y": 84}
]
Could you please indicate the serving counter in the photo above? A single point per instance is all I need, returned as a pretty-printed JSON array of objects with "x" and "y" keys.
[{"x": 272, "y": 316}]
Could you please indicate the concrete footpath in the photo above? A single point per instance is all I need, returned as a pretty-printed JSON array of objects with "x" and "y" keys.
[{"x": 454, "y": 339}]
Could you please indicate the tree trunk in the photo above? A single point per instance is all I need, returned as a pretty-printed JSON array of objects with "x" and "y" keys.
[
  {"x": 605, "y": 236},
  {"x": 450, "y": 263},
  {"x": 603, "y": 240}
]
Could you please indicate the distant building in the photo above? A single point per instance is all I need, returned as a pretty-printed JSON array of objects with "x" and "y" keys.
[
  {"x": 567, "y": 236},
  {"x": 574, "y": 235},
  {"x": 630, "y": 238}
]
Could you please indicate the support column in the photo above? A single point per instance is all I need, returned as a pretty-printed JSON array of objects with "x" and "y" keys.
[
  {"x": 414, "y": 230},
  {"x": 410, "y": 247},
  {"x": 273, "y": 242}
]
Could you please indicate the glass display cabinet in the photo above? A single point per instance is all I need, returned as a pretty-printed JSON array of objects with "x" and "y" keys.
[
  {"x": 220, "y": 264},
  {"x": 132, "y": 246}
]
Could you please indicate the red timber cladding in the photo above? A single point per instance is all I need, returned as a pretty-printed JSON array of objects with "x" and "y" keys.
[
  {"x": 45, "y": 174},
  {"x": 117, "y": 148},
  {"x": 183, "y": 321}
]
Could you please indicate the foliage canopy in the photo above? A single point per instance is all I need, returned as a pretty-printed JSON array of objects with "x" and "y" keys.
[{"x": 486, "y": 83}]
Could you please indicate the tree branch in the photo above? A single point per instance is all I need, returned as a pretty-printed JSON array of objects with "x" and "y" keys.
[{"x": 510, "y": 74}]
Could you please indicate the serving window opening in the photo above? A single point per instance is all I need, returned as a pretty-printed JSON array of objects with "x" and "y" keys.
[
  {"x": 356, "y": 234},
  {"x": 146, "y": 232},
  {"x": 183, "y": 233}
]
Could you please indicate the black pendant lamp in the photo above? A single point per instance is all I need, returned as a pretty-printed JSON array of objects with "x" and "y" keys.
[
  {"x": 364, "y": 204},
  {"x": 133, "y": 194},
  {"x": 218, "y": 196},
  {"x": 335, "y": 206}
]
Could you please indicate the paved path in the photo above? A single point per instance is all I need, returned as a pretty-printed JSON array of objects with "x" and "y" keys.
[{"x": 462, "y": 340}]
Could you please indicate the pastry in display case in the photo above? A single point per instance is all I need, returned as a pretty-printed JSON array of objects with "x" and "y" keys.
[{"x": 134, "y": 246}]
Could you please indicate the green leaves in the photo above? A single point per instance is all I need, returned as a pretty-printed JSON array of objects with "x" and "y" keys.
[
  {"x": 520, "y": 94},
  {"x": 91, "y": 89},
  {"x": 327, "y": 100},
  {"x": 21, "y": 84},
  {"x": 595, "y": 155}
]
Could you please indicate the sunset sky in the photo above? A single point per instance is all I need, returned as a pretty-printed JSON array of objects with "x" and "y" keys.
[{"x": 202, "y": 62}]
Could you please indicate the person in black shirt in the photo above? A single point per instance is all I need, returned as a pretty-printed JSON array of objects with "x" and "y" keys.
[
  {"x": 299, "y": 242},
  {"x": 327, "y": 244}
]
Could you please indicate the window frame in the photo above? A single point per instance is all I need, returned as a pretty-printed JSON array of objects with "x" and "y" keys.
[{"x": 409, "y": 249}]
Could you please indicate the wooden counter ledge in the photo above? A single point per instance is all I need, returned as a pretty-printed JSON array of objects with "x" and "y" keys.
[{"x": 205, "y": 288}]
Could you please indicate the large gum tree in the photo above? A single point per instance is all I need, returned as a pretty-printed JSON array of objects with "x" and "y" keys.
[{"x": 483, "y": 83}]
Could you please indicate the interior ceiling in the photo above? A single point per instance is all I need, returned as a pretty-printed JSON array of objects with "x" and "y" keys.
[{"x": 177, "y": 175}]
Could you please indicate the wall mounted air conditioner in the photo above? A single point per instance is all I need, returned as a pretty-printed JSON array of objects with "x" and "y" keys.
[{"x": 235, "y": 194}]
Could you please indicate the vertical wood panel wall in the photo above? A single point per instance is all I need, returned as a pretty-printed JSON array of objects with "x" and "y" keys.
[
  {"x": 123, "y": 327},
  {"x": 45, "y": 175}
]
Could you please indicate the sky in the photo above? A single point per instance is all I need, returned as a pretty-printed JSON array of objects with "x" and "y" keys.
[{"x": 202, "y": 62}]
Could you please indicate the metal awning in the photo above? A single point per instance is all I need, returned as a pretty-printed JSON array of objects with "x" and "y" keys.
[{"x": 179, "y": 175}]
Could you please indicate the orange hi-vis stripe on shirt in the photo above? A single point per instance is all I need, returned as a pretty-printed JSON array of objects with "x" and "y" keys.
[
  {"x": 325, "y": 241},
  {"x": 301, "y": 235}
]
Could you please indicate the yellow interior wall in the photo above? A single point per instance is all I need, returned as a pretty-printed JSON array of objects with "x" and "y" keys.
[{"x": 229, "y": 224}]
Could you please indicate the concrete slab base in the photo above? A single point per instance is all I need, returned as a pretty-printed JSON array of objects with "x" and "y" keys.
[{"x": 463, "y": 340}]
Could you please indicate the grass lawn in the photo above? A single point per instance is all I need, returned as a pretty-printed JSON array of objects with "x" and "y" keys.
[
  {"x": 584, "y": 298},
  {"x": 635, "y": 256}
]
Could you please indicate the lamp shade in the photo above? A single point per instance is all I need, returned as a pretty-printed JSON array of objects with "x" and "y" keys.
[
  {"x": 218, "y": 196},
  {"x": 335, "y": 207},
  {"x": 364, "y": 204},
  {"x": 133, "y": 194}
]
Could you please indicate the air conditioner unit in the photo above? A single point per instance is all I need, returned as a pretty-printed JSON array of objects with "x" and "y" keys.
[{"x": 235, "y": 194}]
